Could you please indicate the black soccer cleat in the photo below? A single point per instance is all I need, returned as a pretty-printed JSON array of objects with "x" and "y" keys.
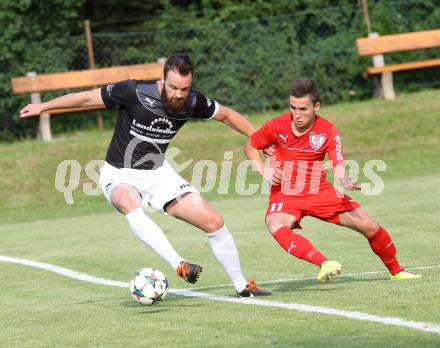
[
  {"x": 189, "y": 271},
  {"x": 252, "y": 290}
]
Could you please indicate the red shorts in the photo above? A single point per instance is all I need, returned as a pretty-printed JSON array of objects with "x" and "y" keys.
[{"x": 326, "y": 205}]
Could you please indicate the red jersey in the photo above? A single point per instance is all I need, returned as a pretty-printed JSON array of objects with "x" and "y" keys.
[{"x": 300, "y": 157}]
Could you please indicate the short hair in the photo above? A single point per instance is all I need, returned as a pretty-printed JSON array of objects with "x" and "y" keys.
[
  {"x": 180, "y": 62},
  {"x": 304, "y": 88}
]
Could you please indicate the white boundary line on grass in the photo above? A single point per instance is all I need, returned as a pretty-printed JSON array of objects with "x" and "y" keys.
[
  {"x": 287, "y": 280},
  {"x": 418, "y": 325}
]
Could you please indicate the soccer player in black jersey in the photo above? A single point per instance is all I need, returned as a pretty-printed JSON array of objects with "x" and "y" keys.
[{"x": 136, "y": 171}]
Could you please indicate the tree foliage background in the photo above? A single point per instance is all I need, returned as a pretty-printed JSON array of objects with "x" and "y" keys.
[{"x": 245, "y": 52}]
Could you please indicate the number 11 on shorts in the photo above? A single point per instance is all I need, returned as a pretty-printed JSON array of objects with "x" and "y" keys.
[{"x": 276, "y": 207}]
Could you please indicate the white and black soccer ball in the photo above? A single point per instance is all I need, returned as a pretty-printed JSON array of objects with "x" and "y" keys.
[{"x": 148, "y": 286}]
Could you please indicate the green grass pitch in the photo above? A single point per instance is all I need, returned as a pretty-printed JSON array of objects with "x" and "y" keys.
[{"x": 40, "y": 308}]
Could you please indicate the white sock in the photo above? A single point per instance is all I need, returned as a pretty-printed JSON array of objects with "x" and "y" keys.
[
  {"x": 148, "y": 232},
  {"x": 224, "y": 249}
]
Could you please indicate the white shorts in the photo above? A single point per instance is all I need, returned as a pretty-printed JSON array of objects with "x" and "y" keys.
[{"x": 157, "y": 187}]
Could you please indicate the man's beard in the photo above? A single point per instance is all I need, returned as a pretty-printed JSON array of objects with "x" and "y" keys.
[{"x": 173, "y": 105}]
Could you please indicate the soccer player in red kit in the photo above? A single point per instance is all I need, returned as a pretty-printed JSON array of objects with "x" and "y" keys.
[{"x": 299, "y": 187}]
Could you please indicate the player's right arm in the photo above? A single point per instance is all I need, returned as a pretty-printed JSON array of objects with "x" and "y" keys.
[
  {"x": 261, "y": 139},
  {"x": 73, "y": 100}
]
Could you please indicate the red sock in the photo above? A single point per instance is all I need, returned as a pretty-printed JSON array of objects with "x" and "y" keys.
[
  {"x": 298, "y": 246},
  {"x": 383, "y": 246}
]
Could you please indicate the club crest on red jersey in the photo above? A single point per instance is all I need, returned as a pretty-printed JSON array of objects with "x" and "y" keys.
[{"x": 317, "y": 140}]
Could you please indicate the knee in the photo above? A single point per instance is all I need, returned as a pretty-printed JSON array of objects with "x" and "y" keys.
[
  {"x": 274, "y": 225},
  {"x": 374, "y": 226},
  {"x": 125, "y": 203},
  {"x": 214, "y": 223},
  {"x": 370, "y": 228}
]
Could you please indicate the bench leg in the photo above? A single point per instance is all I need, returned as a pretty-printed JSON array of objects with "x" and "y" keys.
[
  {"x": 44, "y": 131},
  {"x": 383, "y": 86},
  {"x": 387, "y": 85},
  {"x": 377, "y": 91}
]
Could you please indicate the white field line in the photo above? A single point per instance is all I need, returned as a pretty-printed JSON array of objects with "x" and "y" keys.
[
  {"x": 314, "y": 278},
  {"x": 63, "y": 271},
  {"x": 426, "y": 327}
]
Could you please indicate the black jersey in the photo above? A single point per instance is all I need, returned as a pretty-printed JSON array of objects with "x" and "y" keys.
[{"x": 143, "y": 128}]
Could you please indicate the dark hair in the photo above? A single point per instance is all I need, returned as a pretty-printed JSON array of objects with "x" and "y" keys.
[
  {"x": 180, "y": 62},
  {"x": 304, "y": 88}
]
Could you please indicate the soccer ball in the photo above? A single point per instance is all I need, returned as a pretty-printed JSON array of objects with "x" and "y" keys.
[{"x": 148, "y": 286}]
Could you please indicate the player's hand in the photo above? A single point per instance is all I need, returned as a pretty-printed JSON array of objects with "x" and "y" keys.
[
  {"x": 273, "y": 175},
  {"x": 31, "y": 110},
  {"x": 354, "y": 186},
  {"x": 269, "y": 151},
  {"x": 349, "y": 184}
]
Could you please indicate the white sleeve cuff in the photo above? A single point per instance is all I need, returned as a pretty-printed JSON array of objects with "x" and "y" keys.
[{"x": 217, "y": 107}]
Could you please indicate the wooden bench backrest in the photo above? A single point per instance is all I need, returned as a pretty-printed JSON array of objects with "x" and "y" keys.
[
  {"x": 398, "y": 42},
  {"x": 86, "y": 78}
]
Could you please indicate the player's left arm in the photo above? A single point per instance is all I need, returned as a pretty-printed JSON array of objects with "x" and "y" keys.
[
  {"x": 241, "y": 124},
  {"x": 235, "y": 120},
  {"x": 336, "y": 156}
]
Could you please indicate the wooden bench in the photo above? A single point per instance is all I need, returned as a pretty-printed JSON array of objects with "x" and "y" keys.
[
  {"x": 377, "y": 46},
  {"x": 34, "y": 84}
]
